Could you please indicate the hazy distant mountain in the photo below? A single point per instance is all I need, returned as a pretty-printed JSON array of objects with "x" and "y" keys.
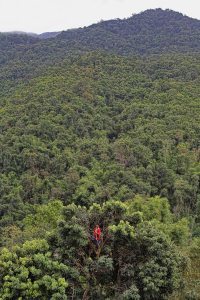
[
  {"x": 21, "y": 33},
  {"x": 47, "y": 35},
  {"x": 44, "y": 35}
]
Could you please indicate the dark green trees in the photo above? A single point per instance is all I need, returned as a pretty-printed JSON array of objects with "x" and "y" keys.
[
  {"x": 116, "y": 141},
  {"x": 135, "y": 260},
  {"x": 134, "y": 136}
]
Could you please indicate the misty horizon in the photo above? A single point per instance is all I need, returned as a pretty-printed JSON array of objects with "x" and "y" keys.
[{"x": 35, "y": 16}]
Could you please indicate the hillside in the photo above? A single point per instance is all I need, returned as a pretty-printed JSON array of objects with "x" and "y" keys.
[
  {"x": 97, "y": 128},
  {"x": 94, "y": 137},
  {"x": 151, "y": 32}
]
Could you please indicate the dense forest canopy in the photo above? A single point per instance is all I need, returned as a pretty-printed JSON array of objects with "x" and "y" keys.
[{"x": 91, "y": 132}]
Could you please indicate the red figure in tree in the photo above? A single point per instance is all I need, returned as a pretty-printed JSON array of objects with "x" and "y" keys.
[{"x": 97, "y": 234}]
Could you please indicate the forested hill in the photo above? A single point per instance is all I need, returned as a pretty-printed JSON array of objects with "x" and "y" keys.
[
  {"x": 107, "y": 139},
  {"x": 94, "y": 137},
  {"x": 154, "y": 31}
]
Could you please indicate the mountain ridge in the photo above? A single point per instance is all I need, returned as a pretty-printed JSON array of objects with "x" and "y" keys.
[
  {"x": 153, "y": 31},
  {"x": 45, "y": 34}
]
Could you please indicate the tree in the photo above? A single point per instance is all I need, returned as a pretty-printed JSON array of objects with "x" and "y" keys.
[
  {"x": 133, "y": 255},
  {"x": 29, "y": 272}
]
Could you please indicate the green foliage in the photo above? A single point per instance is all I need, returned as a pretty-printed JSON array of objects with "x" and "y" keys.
[
  {"x": 116, "y": 140},
  {"x": 153, "y": 31},
  {"x": 39, "y": 224},
  {"x": 152, "y": 208},
  {"x": 30, "y": 272},
  {"x": 191, "y": 275},
  {"x": 140, "y": 259},
  {"x": 131, "y": 138},
  {"x": 43, "y": 221}
]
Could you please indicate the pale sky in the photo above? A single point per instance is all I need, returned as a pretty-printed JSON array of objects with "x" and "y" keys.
[{"x": 54, "y": 15}]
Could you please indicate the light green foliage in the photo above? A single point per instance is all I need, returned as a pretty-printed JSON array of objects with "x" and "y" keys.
[
  {"x": 191, "y": 275},
  {"x": 29, "y": 272},
  {"x": 36, "y": 225},
  {"x": 195, "y": 248},
  {"x": 152, "y": 208},
  {"x": 179, "y": 232},
  {"x": 157, "y": 210},
  {"x": 131, "y": 294},
  {"x": 43, "y": 221},
  {"x": 123, "y": 229}
]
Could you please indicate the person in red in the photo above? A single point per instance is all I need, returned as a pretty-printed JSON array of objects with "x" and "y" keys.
[{"x": 97, "y": 234}]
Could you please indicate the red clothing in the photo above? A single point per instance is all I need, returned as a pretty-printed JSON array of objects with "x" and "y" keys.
[{"x": 97, "y": 233}]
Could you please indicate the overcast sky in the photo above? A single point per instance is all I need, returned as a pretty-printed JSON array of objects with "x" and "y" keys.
[{"x": 54, "y": 15}]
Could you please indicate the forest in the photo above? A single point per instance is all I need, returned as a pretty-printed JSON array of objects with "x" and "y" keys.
[{"x": 104, "y": 135}]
